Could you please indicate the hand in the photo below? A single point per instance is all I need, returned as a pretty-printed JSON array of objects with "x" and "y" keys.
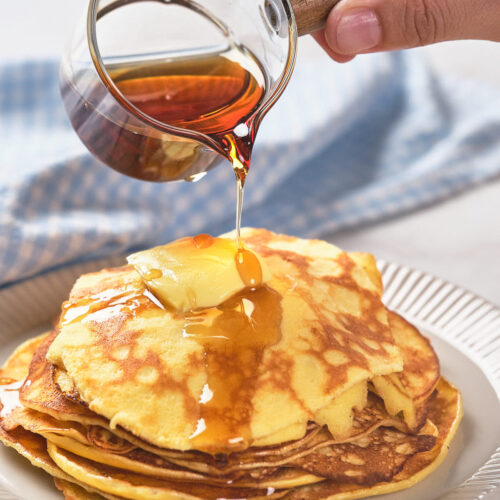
[{"x": 363, "y": 26}]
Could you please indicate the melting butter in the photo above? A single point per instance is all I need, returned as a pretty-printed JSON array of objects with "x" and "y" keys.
[{"x": 199, "y": 272}]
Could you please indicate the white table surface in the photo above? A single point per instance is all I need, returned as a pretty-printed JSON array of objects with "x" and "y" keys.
[{"x": 458, "y": 240}]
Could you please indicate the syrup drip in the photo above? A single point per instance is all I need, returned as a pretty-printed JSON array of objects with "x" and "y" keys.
[
  {"x": 106, "y": 305},
  {"x": 247, "y": 263},
  {"x": 239, "y": 207},
  {"x": 234, "y": 336},
  {"x": 248, "y": 267},
  {"x": 203, "y": 241}
]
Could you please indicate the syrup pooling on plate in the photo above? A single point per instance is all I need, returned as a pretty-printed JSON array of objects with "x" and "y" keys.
[{"x": 234, "y": 336}]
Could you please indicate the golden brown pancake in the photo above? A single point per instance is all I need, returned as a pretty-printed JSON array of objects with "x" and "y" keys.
[
  {"x": 30, "y": 445},
  {"x": 304, "y": 387},
  {"x": 400, "y": 449},
  {"x": 407, "y": 392},
  {"x": 16, "y": 367},
  {"x": 71, "y": 491},
  {"x": 332, "y": 332},
  {"x": 242, "y": 469},
  {"x": 446, "y": 409}
]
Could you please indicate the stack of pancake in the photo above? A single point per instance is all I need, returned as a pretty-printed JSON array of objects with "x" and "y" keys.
[{"x": 191, "y": 374}]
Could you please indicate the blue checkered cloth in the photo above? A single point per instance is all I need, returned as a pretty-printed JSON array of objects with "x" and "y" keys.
[{"x": 345, "y": 145}]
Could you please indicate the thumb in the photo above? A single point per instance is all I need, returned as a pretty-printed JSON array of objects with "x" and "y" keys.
[{"x": 360, "y": 26}]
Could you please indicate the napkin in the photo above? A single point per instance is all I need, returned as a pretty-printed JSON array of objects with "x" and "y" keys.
[{"x": 345, "y": 145}]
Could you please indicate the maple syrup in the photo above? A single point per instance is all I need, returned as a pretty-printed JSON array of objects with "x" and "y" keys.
[
  {"x": 203, "y": 240},
  {"x": 104, "y": 305},
  {"x": 215, "y": 94},
  {"x": 234, "y": 336},
  {"x": 249, "y": 268}
]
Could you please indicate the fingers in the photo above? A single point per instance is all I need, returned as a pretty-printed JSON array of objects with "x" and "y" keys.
[
  {"x": 319, "y": 36},
  {"x": 360, "y": 26}
]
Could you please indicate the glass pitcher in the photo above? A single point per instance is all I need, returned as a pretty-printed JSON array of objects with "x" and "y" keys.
[{"x": 125, "y": 49}]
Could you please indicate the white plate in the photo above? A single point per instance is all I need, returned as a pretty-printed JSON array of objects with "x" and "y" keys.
[{"x": 465, "y": 331}]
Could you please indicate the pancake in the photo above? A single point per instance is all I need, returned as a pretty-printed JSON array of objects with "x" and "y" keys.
[
  {"x": 41, "y": 393},
  {"x": 239, "y": 468},
  {"x": 447, "y": 404},
  {"x": 31, "y": 446},
  {"x": 71, "y": 491},
  {"x": 302, "y": 386},
  {"x": 446, "y": 410},
  {"x": 242, "y": 469},
  {"x": 17, "y": 365},
  {"x": 145, "y": 367},
  {"x": 408, "y": 391}
]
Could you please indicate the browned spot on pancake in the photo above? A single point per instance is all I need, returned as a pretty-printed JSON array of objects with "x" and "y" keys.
[
  {"x": 40, "y": 392},
  {"x": 262, "y": 237},
  {"x": 300, "y": 262},
  {"x": 278, "y": 370},
  {"x": 380, "y": 459},
  {"x": 131, "y": 367},
  {"x": 110, "y": 331}
]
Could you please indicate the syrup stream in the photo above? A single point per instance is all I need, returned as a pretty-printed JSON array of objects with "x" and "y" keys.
[{"x": 239, "y": 206}]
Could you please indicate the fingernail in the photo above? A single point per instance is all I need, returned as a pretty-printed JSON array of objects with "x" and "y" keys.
[{"x": 358, "y": 30}]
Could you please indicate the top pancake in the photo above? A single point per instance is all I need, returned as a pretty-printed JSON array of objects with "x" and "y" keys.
[{"x": 179, "y": 385}]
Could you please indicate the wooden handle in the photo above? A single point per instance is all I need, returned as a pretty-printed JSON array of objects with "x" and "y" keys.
[{"x": 311, "y": 14}]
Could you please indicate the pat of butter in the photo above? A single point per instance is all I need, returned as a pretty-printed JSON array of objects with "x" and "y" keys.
[{"x": 199, "y": 272}]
